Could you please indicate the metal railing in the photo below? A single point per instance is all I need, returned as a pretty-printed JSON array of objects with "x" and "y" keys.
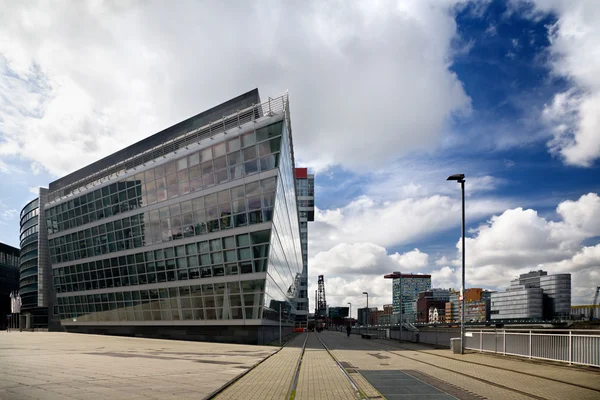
[
  {"x": 271, "y": 107},
  {"x": 580, "y": 347}
]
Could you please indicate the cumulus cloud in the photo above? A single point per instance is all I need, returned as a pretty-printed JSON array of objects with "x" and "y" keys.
[
  {"x": 519, "y": 240},
  {"x": 368, "y": 81},
  {"x": 7, "y": 214},
  {"x": 573, "y": 114},
  {"x": 351, "y": 269},
  {"x": 513, "y": 242},
  {"x": 392, "y": 222}
]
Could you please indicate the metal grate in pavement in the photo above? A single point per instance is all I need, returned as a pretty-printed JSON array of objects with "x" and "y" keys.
[{"x": 396, "y": 385}]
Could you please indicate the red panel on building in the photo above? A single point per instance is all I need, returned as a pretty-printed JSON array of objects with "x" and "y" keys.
[{"x": 302, "y": 173}]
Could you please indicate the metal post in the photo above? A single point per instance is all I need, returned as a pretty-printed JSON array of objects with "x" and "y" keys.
[
  {"x": 462, "y": 317},
  {"x": 504, "y": 344},
  {"x": 280, "y": 324},
  {"x": 480, "y": 340},
  {"x": 570, "y": 347},
  {"x": 529, "y": 344},
  {"x": 368, "y": 313}
]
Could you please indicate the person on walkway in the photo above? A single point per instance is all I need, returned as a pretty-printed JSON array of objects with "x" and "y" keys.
[{"x": 348, "y": 330}]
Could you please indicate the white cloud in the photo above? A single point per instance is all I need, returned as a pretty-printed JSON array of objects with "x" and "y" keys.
[
  {"x": 443, "y": 261},
  {"x": 392, "y": 222},
  {"x": 368, "y": 81},
  {"x": 7, "y": 214},
  {"x": 573, "y": 114},
  {"x": 351, "y": 269},
  {"x": 519, "y": 240},
  {"x": 515, "y": 241}
]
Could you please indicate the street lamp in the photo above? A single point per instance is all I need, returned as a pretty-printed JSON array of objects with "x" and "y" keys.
[
  {"x": 350, "y": 313},
  {"x": 460, "y": 178},
  {"x": 367, "y": 311}
]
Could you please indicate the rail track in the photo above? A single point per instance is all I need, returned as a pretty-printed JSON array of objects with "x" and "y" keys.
[{"x": 319, "y": 344}]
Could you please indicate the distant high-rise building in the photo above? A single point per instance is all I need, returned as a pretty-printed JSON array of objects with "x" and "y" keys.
[{"x": 405, "y": 291}]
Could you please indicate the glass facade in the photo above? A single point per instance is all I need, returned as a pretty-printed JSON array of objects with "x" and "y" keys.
[
  {"x": 521, "y": 301},
  {"x": 34, "y": 265},
  {"x": 206, "y": 233},
  {"x": 517, "y": 303},
  {"x": 242, "y": 205},
  {"x": 557, "y": 295},
  {"x": 28, "y": 267},
  {"x": 9, "y": 279},
  {"x": 285, "y": 261}
]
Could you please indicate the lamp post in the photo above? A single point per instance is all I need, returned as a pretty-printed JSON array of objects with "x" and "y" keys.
[
  {"x": 350, "y": 313},
  {"x": 460, "y": 178},
  {"x": 367, "y": 311}
]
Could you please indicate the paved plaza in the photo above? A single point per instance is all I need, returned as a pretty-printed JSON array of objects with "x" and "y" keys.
[
  {"x": 42, "y": 365},
  {"x": 48, "y": 365}
]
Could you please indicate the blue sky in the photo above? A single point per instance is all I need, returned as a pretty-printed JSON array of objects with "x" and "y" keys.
[{"x": 388, "y": 99}]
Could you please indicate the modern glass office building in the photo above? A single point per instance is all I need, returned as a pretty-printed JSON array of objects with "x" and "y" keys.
[
  {"x": 9, "y": 280},
  {"x": 35, "y": 273},
  {"x": 192, "y": 233},
  {"x": 557, "y": 295},
  {"x": 517, "y": 303},
  {"x": 534, "y": 295}
]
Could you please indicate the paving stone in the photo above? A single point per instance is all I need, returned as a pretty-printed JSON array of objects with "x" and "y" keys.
[{"x": 68, "y": 365}]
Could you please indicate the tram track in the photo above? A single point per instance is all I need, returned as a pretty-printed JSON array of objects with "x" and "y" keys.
[
  {"x": 486, "y": 381},
  {"x": 358, "y": 394}
]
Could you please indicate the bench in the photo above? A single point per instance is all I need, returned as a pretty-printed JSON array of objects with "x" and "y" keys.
[{"x": 366, "y": 335}]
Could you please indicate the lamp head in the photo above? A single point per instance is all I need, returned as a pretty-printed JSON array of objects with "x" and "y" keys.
[
  {"x": 456, "y": 177},
  {"x": 365, "y": 293}
]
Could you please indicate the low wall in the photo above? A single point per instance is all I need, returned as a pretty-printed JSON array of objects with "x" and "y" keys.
[{"x": 223, "y": 334}]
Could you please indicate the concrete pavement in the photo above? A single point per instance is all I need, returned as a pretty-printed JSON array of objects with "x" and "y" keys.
[
  {"x": 48, "y": 365},
  {"x": 42, "y": 365},
  {"x": 457, "y": 376}
]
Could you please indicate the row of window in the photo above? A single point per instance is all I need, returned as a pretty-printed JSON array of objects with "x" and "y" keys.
[
  {"x": 33, "y": 204},
  {"x": 9, "y": 259},
  {"x": 222, "y": 162},
  {"x": 239, "y": 206},
  {"x": 218, "y": 257},
  {"x": 28, "y": 232},
  {"x": 233, "y": 300},
  {"x": 142, "y": 235},
  {"x": 30, "y": 214}
]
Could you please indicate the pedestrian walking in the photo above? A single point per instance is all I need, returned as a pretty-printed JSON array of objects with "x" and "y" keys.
[{"x": 348, "y": 330}]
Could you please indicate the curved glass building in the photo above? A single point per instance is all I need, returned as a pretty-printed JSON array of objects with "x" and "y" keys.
[{"x": 34, "y": 266}]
